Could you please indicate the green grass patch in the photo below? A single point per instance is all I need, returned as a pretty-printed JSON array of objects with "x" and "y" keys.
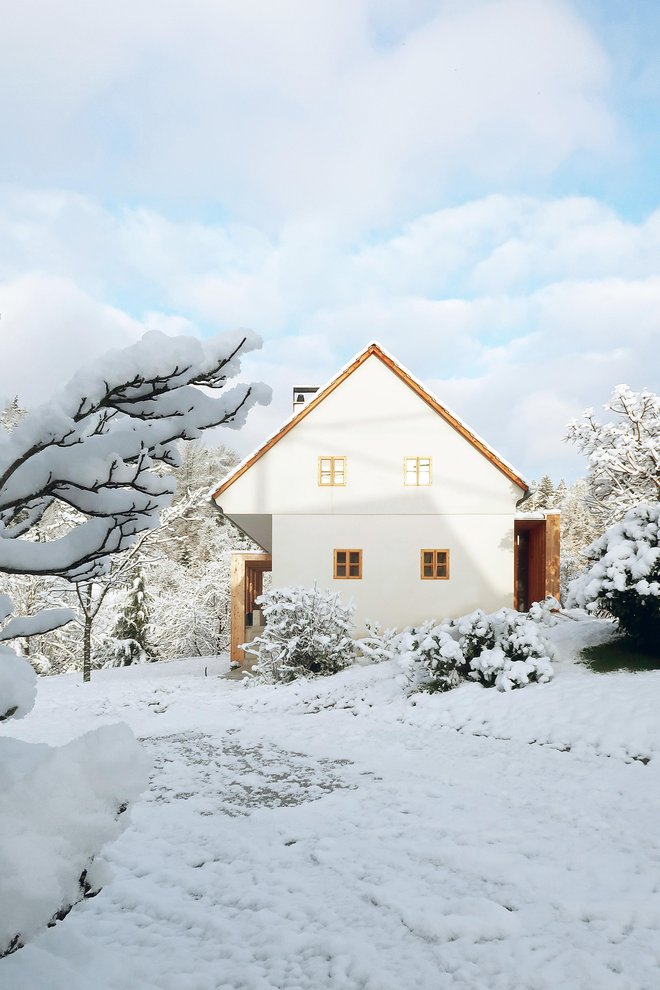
[{"x": 618, "y": 654}]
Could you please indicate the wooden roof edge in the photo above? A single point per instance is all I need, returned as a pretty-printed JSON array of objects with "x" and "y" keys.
[{"x": 373, "y": 347}]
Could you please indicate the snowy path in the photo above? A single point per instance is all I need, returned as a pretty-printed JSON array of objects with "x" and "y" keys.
[{"x": 281, "y": 846}]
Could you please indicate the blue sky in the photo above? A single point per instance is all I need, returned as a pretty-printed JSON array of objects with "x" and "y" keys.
[{"x": 474, "y": 183}]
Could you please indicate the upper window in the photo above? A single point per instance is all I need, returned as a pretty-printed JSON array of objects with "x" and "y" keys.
[
  {"x": 434, "y": 565},
  {"x": 332, "y": 471},
  {"x": 348, "y": 564},
  {"x": 417, "y": 470}
]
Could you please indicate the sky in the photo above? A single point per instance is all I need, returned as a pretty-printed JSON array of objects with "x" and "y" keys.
[{"x": 473, "y": 183}]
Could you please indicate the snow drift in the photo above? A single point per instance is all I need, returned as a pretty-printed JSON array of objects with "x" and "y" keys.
[{"x": 58, "y": 807}]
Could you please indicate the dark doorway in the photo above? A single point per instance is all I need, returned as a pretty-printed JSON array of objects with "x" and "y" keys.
[{"x": 529, "y": 562}]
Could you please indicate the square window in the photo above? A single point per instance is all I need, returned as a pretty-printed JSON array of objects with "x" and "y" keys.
[
  {"x": 332, "y": 471},
  {"x": 417, "y": 471},
  {"x": 434, "y": 565},
  {"x": 348, "y": 564}
]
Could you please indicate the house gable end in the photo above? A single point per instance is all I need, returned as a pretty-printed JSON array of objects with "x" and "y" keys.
[{"x": 374, "y": 350}]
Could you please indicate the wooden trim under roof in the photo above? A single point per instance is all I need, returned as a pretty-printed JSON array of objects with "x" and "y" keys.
[{"x": 376, "y": 351}]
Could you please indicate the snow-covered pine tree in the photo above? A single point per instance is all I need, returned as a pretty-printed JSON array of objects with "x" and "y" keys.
[
  {"x": 623, "y": 576},
  {"x": 130, "y": 635},
  {"x": 623, "y": 455},
  {"x": 541, "y": 497}
]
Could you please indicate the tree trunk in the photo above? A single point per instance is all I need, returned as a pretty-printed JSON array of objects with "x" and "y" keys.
[{"x": 87, "y": 636}]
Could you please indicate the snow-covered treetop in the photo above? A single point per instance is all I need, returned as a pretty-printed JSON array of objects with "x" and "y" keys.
[
  {"x": 624, "y": 455},
  {"x": 626, "y": 557},
  {"x": 94, "y": 446}
]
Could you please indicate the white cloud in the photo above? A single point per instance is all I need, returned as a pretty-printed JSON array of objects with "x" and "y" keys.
[
  {"x": 360, "y": 111},
  {"x": 517, "y": 356},
  {"x": 48, "y": 328}
]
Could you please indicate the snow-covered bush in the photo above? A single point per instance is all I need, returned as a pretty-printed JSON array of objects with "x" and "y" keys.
[
  {"x": 430, "y": 657},
  {"x": 379, "y": 644},
  {"x": 18, "y": 685},
  {"x": 307, "y": 634},
  {"x": 504, "y": 650},
  {"x": 623, "y": 577},
  {"x": 513, "y": 650},
  {"x": 58, "y": 807}
]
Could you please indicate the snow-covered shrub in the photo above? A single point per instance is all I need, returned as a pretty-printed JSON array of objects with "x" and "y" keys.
[
  {"x": 519, "y": 654},
  {"x": 379, "y": 644},
  {"x": 307, "y": 634},
  {"x": 545, "y": 612},
  {"x": 623, "y": 576},
  {"x": 504, "y": 650},
  {"x": 18, "y": 685},
  {"x": 476, "y": 634},
  {"x": 430, "y": 657},
  {"x": 58, "y": 807}
]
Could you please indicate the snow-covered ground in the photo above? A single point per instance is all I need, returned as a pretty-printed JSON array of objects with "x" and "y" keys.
[{"x": 336, "y": 834}]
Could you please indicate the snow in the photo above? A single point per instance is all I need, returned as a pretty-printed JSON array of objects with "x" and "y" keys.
[
  {"x": 337, "y": 834},
  {"x": 18, "y": 685},
  {"x": 623, "y": 559},
  {"x": 58, "y": 806},
  {"x": 35, "y": 625}
]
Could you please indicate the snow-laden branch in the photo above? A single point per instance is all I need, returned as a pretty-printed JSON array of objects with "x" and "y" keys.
[
  {"x": 624, "y": 455},
  {"x": 94, "y": 447}
]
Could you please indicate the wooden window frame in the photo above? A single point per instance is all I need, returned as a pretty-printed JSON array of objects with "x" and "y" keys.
[
  {"x": 332, "y": 483},
  {"x": 433, "y": 577},
  {"x": 347, "y": 564},
  {"x": 417, "y": 483}
]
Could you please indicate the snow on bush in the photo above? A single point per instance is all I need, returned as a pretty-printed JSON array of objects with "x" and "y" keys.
[
  {"x": 505, "y": 650},
  {"x": 430, "y": 657},
  {"x": 58, "y": 807},
  {"x": 18, "y": 685},
  {"x": 379, "y": 644},
  {"x": 623, "y": 577},
  {"x": 307, "y": 634}
]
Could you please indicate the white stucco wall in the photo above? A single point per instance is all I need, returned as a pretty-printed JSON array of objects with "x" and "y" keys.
[
  {"x": 391, "y": 590},
  {"x": 374, "y": 420}
]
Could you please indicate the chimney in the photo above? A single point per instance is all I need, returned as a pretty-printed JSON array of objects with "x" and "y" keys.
[{"x": 302, "y": 395}]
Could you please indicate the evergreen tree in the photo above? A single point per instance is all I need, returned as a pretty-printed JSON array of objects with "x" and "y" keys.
[
  {"x": 131, "y": 631},
  {"x": 542, "y": 495}
]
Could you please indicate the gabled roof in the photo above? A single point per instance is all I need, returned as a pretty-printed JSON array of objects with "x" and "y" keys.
[{"x": 374, "y": 349}]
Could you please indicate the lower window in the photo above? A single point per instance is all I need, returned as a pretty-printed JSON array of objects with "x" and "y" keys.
[
  {"x": 348, "y": 564},
  {"x": 434, "y": 565}
]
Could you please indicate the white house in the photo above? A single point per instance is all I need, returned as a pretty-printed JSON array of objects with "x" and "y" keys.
[{"x": 375, "y": 489}]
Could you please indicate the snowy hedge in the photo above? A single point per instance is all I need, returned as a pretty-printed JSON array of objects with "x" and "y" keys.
[
  {"x": 58, "y": 807},
  {"x": 623, "y": 576},
  {"x": 307, "y": 634},
  {"x": 505, "y": 650}
]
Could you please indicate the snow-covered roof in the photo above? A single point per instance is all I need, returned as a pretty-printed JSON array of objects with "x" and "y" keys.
[{"x": 375, "y": 349}]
